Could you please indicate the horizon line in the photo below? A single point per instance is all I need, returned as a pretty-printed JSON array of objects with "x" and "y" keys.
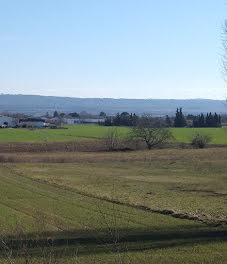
[{"x": 113, "y": 98}]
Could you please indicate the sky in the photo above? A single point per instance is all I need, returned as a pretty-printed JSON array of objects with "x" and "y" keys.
[{"x": 113, "y": 48}]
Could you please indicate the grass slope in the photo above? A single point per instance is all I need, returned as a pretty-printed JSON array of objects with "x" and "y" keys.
[{"x": 75, "y": 205}]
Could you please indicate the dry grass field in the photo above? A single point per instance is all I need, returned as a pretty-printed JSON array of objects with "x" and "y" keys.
[{"x": 158, "y": 206}]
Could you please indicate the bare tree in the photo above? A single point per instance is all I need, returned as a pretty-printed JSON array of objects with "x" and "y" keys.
[
  {"x": 151, "y": 131},
  {"x": 112, "y": 138}
]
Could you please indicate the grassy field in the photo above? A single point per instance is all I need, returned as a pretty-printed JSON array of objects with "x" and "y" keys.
[
  {"x": 73, "y": 132},
  {"x": 218, "y": 135},
  {"x": 39, "y": 135},
  {"x": 160, "y": 206},
  {"x": 81, "y": 132}
]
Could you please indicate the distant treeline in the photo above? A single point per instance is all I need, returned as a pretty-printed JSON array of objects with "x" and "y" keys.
[
  {"x": 210, "y": 120},
  {"x": 123, "y": 119},
  {"x": 131, "y": 119}
]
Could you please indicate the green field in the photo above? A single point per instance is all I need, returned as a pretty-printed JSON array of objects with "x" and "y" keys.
[
  {"x": 218, "y": 135},
  {"x": 79, "y": 132},
  {"x": 160, "y": 206},
  {"x": 73, "y": 132}
]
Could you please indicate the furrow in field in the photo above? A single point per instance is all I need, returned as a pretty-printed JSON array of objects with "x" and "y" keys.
[
  {"x": 169, "y": 212},
  {"x": 25, "y": 212},
  {"x": 91, "y": 208},
  {"x": 68, "y": 196},
  {"x": 35, "y": 192}
]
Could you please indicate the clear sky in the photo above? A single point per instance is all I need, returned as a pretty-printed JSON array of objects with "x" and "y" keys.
[{"x": 112, "y": 48}]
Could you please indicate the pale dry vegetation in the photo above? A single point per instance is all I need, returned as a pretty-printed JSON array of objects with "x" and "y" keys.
[{"x": 114, "y": 207}]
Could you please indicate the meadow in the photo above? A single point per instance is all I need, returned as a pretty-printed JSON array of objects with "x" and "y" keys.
[
  {"x": 158, "y": 206},
  {"x": 83, "y": 132},
  {"x": 65, "y": 199}
]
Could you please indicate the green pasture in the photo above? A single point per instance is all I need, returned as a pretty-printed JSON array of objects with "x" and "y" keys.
[
  {"x": 218, "y": 135},
  {"x": 67, "y": 133},
  {"x": 93, "y": 211},
  {"x": 82, "y": 132}
]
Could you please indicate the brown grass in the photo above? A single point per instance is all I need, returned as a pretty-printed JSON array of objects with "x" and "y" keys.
[
  {"x": 166, "y": 155},
  {"x": 95, "y": 145}
]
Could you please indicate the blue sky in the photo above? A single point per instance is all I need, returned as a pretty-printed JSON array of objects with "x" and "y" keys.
[{"x": 112, "y": 48}]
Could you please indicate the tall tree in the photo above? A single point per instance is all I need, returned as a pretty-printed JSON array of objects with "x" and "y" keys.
[
  {"x": 201, "y": 120},
  {"x": 124, "y": 119},
  {"x": 210, "y": 121},
  {"x": 179, "y": 120}
]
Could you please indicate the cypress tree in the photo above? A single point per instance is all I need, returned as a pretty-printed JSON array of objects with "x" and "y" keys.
[
  {"x": 219, "y": 121},
  {"x": 176, "y": 119},
  {"x": 179, "y": 120},
  {"x": 211, "y": 120},
  {"x": 201, "y": 120},
  {"x": 216, "y": 120}
]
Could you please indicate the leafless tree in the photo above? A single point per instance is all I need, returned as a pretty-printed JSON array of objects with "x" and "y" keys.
[
  {"x": 112, "y": 138},
  {"x": 151, "y": 131}
]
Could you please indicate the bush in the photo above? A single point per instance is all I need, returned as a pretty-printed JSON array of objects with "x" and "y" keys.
[{"x": 200, "y": 140}]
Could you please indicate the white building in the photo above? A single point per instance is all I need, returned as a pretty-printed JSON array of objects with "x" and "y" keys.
[
  {"x": 92, "y": 120},
  {"x": 74, "y": 121},
  {"x": 71, "y": 121}
]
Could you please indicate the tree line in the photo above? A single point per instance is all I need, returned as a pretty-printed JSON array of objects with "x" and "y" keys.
[
  {"x": 131, "y": 119},
  {"x": 82, "y": 114},
  {"x": 123, "y": 119},
  {"x": 179, "y": 120},
  {"x": 208, "y": 120}
]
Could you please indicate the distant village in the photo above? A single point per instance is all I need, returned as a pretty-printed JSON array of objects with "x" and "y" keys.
[
  {"x": 57, "y": 120},
  {"x": 17, "y": 120}
]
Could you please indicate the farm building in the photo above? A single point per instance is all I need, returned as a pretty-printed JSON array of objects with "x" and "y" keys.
[
  {"x": 31, "y": 122},
  {"x": 7, "y": 121},
  {"x": 74, "y": 121},
  {"x": 71, "y": 121},
  {"x": 92, "y": 120}
]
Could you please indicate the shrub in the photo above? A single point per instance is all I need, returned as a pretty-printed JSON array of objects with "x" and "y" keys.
[{"x": 200, "y": 140}]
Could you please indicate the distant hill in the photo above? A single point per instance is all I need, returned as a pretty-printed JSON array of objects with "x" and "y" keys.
[{"x": 35, "y": 104}]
